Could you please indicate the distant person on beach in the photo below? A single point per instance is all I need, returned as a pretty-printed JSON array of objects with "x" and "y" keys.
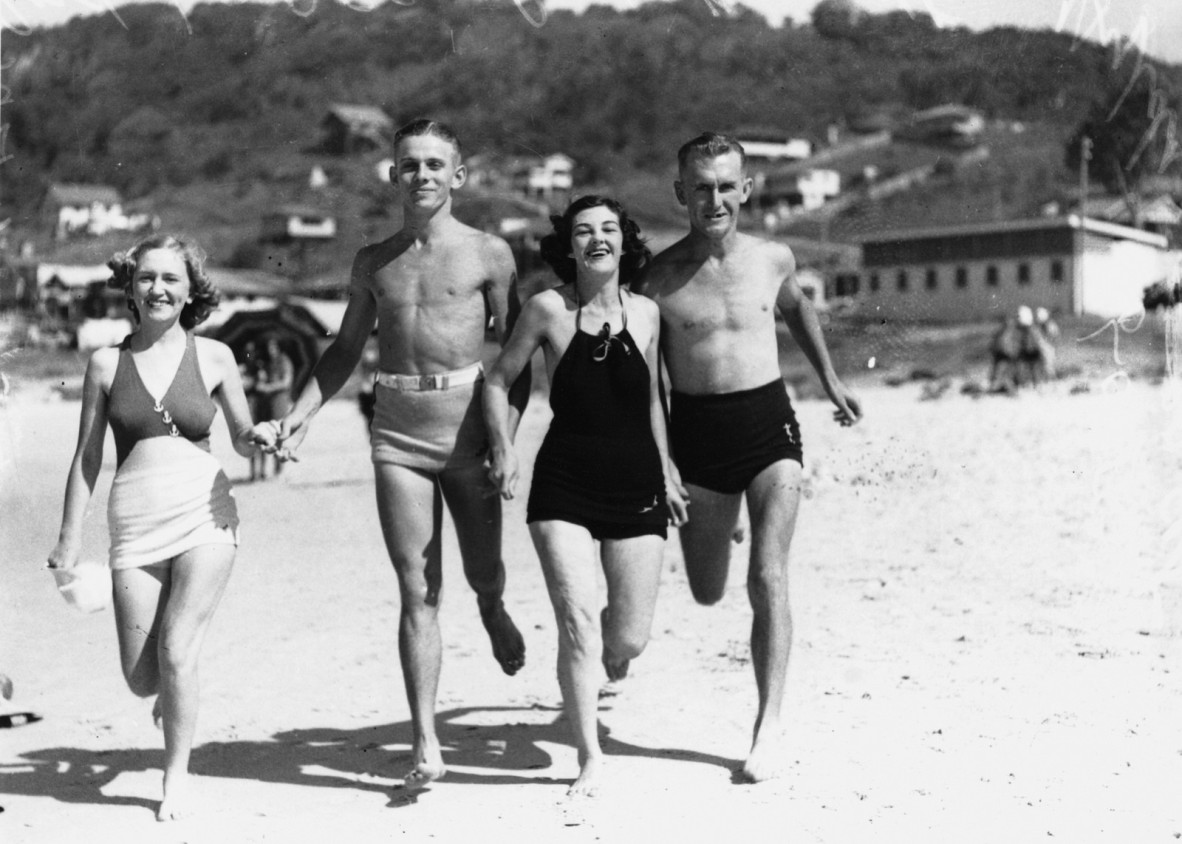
[
  {"x": 172, "y": 517},
  {"x": 1005, "y": 351},
  {"x": 602, "y": 473},
  {"x": 249, "y": 368},
  {"x": 1035, "y": 352},
  {"x": 732, "y": 429},
  {"x": 430, "y": 288},
  {"x": 274, "y": 380},
  {"x": 1049, "y": 330}
]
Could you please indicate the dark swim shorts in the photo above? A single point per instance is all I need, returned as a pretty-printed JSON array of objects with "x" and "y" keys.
[{"x": 722, "y": 441}]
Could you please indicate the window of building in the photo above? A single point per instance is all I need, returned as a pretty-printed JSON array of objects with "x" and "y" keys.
[
  {"x": 931, "y": 279},
  {"x": 962, "y": 276},
  {"x": 901, "y": 280},
  {"x": 874, "y": 282},
  {"x": 1056, "y": 271},
  {"x": 1023, "y": 274},
  {"x": 991, "y": 275}
]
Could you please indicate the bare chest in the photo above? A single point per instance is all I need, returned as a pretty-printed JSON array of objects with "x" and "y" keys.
[
  {"x": 711, "y": 303},
  {"x": 428, "y": 281}
]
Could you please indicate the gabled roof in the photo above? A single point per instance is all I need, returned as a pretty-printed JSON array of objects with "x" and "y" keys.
[
  {"x": 63, "y": 193},
  {"x": 361, "y": 115}
]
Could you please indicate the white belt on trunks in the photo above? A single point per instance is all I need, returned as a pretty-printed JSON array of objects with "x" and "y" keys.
[{"x": 437, "y": 381}]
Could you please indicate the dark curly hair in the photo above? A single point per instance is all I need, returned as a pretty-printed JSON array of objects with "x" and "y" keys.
[
  {"x": 556, "y": 246},
  {"x": 205, "y": 296}
]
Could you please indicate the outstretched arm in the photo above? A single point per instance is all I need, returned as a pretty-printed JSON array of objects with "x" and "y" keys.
[
  {"x": 676, "y": 496},
  {"x": 504, "y": 304},
  {"x": 336, "y": 364},
  {"x": 231, "y": 396},
  {"x": 801, "y": 319},
  {"x": 88, "y": 460},
  {"x": 525, "y": 339}
]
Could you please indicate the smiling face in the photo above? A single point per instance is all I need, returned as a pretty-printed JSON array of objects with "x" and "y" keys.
[
  {"x": 160, "y": 287},
  {"x": 712, "y": 189},
  {"x": 597, "y": 241},
  {"x": 426, "y": 170}
]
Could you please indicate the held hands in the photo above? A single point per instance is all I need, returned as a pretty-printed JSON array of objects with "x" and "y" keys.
[
  {"x": 676, "y": 497},
  {"x": 279, "y": 437},
  {"x": 503, "y": 473}
]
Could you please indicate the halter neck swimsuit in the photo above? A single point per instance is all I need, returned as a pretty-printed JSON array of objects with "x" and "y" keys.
[{"x": 598, "y": 465}]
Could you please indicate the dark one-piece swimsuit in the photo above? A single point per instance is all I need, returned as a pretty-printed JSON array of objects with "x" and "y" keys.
[{"x": 598, "y": 465}]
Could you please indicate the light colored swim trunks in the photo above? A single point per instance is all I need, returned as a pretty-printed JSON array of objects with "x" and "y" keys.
[{"x": 430, "y": 422}]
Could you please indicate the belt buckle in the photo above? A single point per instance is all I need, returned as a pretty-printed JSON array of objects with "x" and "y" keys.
[{"x": 427, "y": 382}]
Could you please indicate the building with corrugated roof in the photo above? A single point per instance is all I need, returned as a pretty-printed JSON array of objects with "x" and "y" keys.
[{"x": 1071, "y": 264}]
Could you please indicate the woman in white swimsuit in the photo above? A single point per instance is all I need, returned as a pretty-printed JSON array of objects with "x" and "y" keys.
[{"x": 171, "y": 515}]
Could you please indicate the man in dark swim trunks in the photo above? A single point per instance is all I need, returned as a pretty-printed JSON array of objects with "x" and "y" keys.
[{"x": 732, "y": 429}]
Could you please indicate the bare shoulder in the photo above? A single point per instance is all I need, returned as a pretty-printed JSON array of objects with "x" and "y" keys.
[
  {"x": 773, "y": 253},
  {"x": 643, "y": 305},
  {"x": 668, "y": 266},
  {"x": 102, "y": 364},
  {"x": 214, "y": 352},
  {"x": 548, "y": 302}
]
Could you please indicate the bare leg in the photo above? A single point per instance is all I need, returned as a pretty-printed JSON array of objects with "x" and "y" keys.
[
  {"x": 198, "y": 578},
  {"x": 568, "y": 558},
  {"x": 476, "y": 512},
  {"x": 706, "y": 541},
  {"x": 633, "y": 571},
  {"x": 410, "y": 511},
  {"x": 140, "y": 595},
  {"x": 773, "y": 499}
]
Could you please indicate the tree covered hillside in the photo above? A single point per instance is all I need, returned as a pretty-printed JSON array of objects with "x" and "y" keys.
[{"x": 149, "y": 100}]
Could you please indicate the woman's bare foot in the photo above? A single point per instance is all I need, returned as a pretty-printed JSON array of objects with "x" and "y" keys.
[
  {"x": 587, "y": 785},
  {"x": 176, "y": 804},
  {"x": 428, "y": 766},
  {"x": 766, "y": 760}
]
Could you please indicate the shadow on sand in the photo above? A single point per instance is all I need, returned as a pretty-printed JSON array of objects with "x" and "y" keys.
[{"x": 510, "y": 753}]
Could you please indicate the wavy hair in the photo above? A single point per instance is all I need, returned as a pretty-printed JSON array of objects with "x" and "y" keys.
[
  {"x": 710, "y": 145},
  {"x": 556, "y": 246},
  {"x": 204, "y": 295}
]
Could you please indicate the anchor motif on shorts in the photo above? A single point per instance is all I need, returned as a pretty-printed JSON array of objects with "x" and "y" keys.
[
  {"x": 167, "y": 418},
  {"x": 788, "y": 431}
]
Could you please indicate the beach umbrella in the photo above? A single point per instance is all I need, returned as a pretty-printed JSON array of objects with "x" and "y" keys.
[{"x": 301, "y": 336}]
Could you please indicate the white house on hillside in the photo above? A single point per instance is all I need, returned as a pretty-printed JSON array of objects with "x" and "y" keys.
[
  {"x": 91, "y": 210},
  {"x": 970, "y": 272}
]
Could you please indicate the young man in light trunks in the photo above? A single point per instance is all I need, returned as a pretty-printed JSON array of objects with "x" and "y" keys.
[
  {"x": 431, "y": 289},
  {"x": 732, "y": 428}
]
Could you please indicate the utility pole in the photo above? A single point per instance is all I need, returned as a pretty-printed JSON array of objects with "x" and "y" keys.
[{"x": 1085, "y": 155}]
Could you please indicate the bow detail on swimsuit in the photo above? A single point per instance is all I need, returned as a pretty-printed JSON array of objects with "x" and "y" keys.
[{"x": 599, "y": 353}]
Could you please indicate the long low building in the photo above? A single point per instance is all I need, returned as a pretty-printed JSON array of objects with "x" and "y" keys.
[{"x": 1068, "y": 264}]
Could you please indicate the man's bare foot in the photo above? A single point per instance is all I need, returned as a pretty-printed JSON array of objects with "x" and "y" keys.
[
  {"x": 176, "y": 804},
  {"x": 428, "y": 766},
  {"x": 766, "y": 761},
  {"x": 158, "y": 713},
  {"x": 507, "y": 644},
  {"x": 587, "y": 785}
]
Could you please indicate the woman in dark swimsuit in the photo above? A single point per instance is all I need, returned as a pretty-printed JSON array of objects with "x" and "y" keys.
[{"x": 603, "y": 472}]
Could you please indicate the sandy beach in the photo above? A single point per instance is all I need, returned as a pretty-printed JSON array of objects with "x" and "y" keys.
[{"x": 988, "y": 610}]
